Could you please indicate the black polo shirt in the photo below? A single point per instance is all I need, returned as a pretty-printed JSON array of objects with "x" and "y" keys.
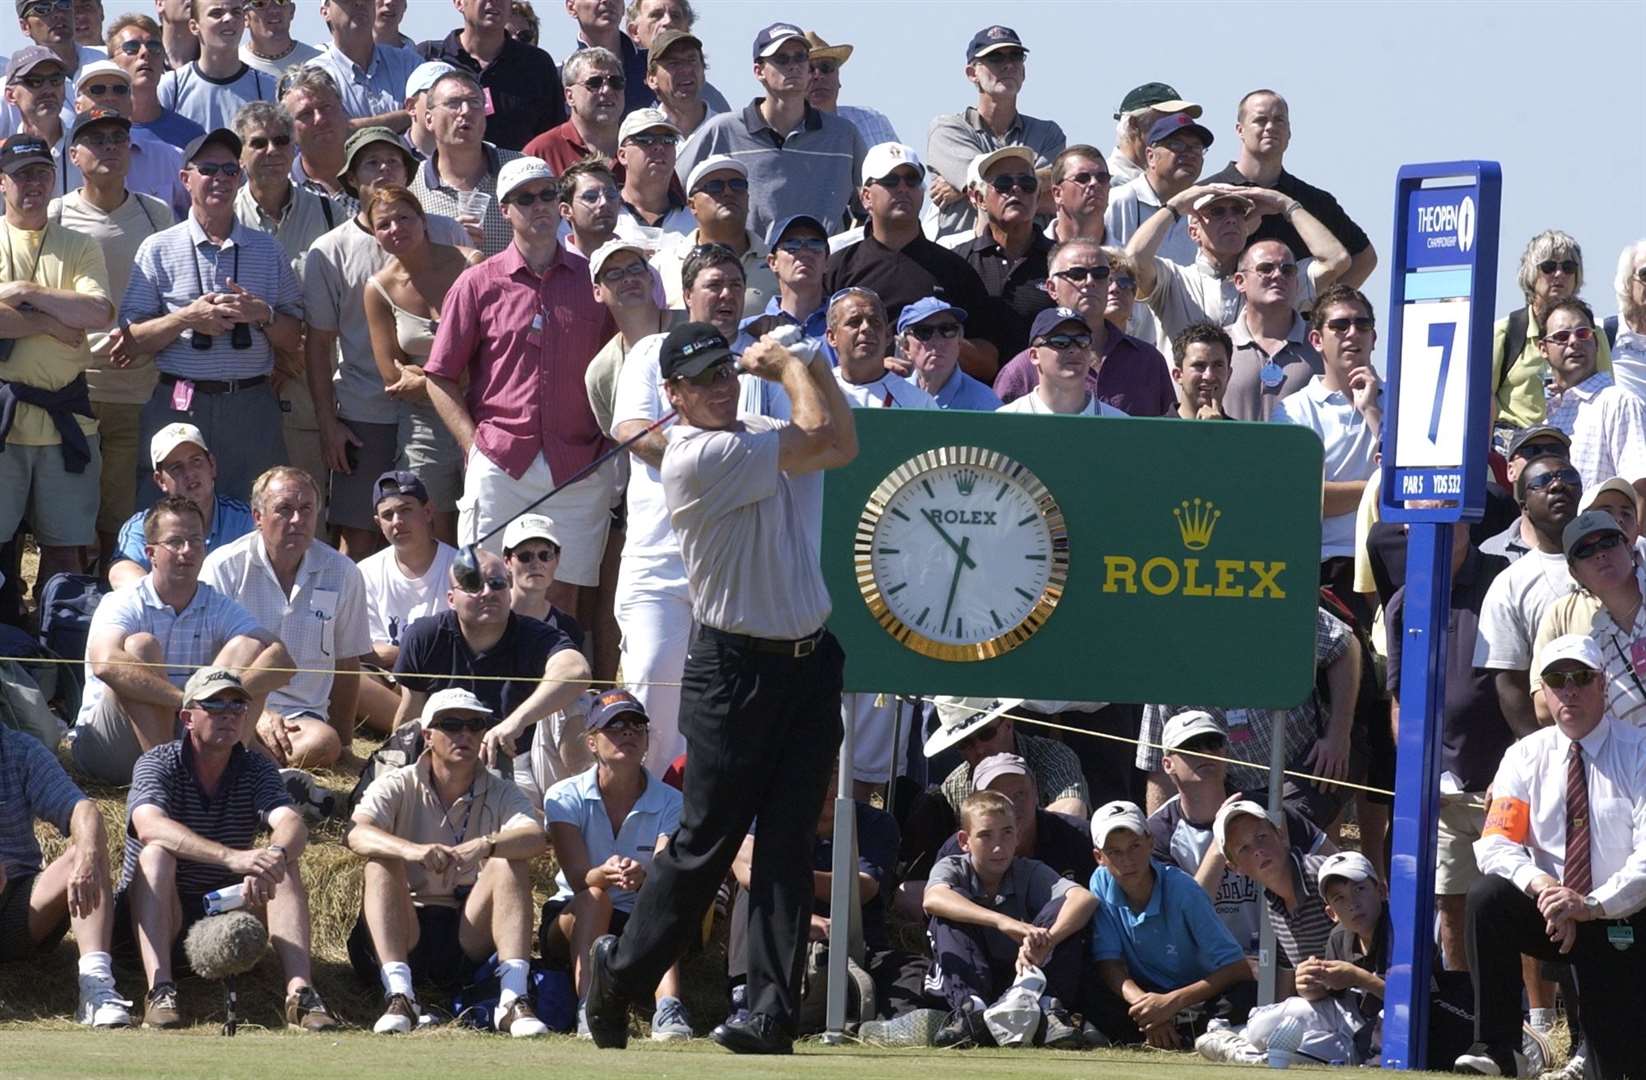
[
  {"x": 920, "y": 268},
  {"x": 523, "y": 85},
  {"x": 1317, "y": 201},
  {"x": 1018, "y": 285},
  {"x": 1058, "y": 843}
]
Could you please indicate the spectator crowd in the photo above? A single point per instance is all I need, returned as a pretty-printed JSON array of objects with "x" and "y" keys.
[{"x": 285, "y": 324}]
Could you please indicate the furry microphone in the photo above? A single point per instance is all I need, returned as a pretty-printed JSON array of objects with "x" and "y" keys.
[{"x": 219, "y": 947}]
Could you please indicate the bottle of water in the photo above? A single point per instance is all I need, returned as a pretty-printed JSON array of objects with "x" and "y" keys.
[{"x": 220, "y": 901}]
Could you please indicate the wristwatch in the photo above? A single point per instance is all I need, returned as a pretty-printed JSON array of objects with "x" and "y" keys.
[{"x": 1592, "y": 906}]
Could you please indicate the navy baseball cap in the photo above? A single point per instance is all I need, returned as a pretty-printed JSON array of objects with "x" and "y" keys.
[
  {"x": 97, "y": 115},
  {"x": 223, "y": 137},
  {"x": 691, "y": 349},
  {"x": 21, "y": 150},
  {"x": 783, "y": 225},
  {"x": 771, "y": 38},
  {"x": 925, "y": 308},
  {"x": 1054, "y": 317},
  {"x": 991, "y": 38},
  {"x": 1172, "y": 123},
  {"x": 399, "y": 482},
  {"x": 610, "y": 704}
]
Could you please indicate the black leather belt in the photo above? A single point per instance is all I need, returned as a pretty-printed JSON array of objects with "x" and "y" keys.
[
  {"x": 215, "y": 386},
  {"x": 794, "y": 647}
]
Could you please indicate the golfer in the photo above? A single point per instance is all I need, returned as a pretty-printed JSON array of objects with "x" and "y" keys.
[{"x": 760, "y": 706}]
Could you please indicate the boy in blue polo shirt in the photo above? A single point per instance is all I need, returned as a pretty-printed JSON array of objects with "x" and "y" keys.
[{"x": 1164, "y": 957}]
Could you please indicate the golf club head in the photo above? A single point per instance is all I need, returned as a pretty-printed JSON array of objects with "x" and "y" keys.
[{"x": 466, "y": 569}]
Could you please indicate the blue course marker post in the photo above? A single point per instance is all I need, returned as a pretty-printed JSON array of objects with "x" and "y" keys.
[{"x": 1438, "y": 431}]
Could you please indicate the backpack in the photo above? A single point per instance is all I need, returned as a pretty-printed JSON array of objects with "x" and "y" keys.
[
  {"x": 67, "y": 604},
  {"x": 549, "y": 990},
  {"x": 403, "y": 746},
  {"x": 1514, "y": 343},
  {"x": 812, "y": 1015}
]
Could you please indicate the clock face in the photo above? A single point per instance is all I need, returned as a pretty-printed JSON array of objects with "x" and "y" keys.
[{"x": 961, "y": 554}]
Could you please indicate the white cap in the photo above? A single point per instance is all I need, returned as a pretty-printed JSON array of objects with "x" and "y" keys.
[
  {"x": 982, "y": 163},
  {"x": 958, "y": 717},
  {"x": 1119, "y": 814},
  {"x": 885, "y": 157},
  {"x": 172, "y": 436},
  {"x": 1616, "y": 483},
  {"x": 1221, "y": 196},
  {"x": 1579, "y": 647},
  {"x": 451, "y": 699},
  {"x": 612, "y": 247},
  {"x": 101, "y": 67},
  {"x": 424, "y": 76},
  {"x": 1187, "y": 725},
  {"x": 529, "y": 527},
  {"x": 712, "y": 164},
  {"x": 1346, "y": 864},
  {"x": 1220, "y": 824},
  {"x": 644, "y": 120},
  {"x": 521, "y": 170}
]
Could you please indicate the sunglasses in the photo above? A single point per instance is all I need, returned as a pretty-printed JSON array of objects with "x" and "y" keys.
[
  {"x": 1024, "y": 182},
  {"x": 1565, "y": 266},
  {"x": 1004, "y": 56},
  {"x": 1363, "y": 323},
  {"x": 718, "y": 373},
  {"x": 720, "y": 187},
  {"x": 647, "y": 141},
  {"x": 263, "y": 142},
  {"x": 596, "y": 83},
  {"x": 1269, "y": 269},
  {"x": 226, "y": 707},
  {"x": 1205, "y": 744},
  {"x": 1640, "y": 275},
  {"x": 1605, "y": 542},
  {"x": 118, "y": 89},
  {"x": 491, "y": 584},
  {"x": 258, "y": 4},
  {"x": 624, "y": 725},
  {"x": 132, "y": 48},
  {"x": 105, "y": 142},
  {"x": 38, "y": 82},
  {"x": 208, "y": 169},
  {"x": 803, "y": 244},
  {"x": 621, "y": 273},
  {"x": 1576, "y": 333},
  {"x": 472, "y": 724},
  {"x": 1081, "y": 274},
  {"x": 1087, "y": 179},
  {"x": 526, "y": 558},
  {"x": 824, "y": 67},
  {"x": 1560, "y": 680},
  {"x": 1123, "y": 282},
  {"x": 944, "y": 330},
  {"x": 528, "y": 198},
  {"x": 896, "y": 180},
  {"x": 1065, "y": 342},
  {"x": 788, "y": 59},
  {"x": 982, "y": 734},
  {"x": 1569, "y": 477}
]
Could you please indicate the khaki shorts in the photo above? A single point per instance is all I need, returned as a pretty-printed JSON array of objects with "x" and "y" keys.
[
  {"x": 103, "y": 744},
  {"x": 117, "y": 429},
  {"x": 1462, "y": 817},
  {"x": 350, "y": 495},
  {"x": 61, "y": 506},
  {"x": 581, "y": 514}
]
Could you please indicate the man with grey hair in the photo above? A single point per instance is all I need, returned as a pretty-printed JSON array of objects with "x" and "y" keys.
[
  {"x": 518, "y": 83},
  {"x": 320, "y": 125},
  {"x": 1551, "y": 270},
  {"x": 371, "y": 78},
  {"x": 600, "y": 26},
  {"x": 1139, "y": 110},
  {"x": 593, "y": 79}
]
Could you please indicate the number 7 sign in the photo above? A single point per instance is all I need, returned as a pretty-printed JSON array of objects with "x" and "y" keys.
[{"x": 1432, "y": 386}]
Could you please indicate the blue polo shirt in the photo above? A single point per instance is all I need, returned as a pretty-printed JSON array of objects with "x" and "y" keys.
[
  {"x": 229, "y": 521},
  {"x": 964, "y": 392},
  {"x": 576, "y": 801},
  {"x": 1175, "y": 940}
]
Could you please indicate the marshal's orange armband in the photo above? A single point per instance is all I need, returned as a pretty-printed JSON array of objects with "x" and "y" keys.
[{"x": 1510, "y": 819}]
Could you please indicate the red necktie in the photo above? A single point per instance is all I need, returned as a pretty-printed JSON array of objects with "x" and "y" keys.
[{"x": 1578, "y": 874}]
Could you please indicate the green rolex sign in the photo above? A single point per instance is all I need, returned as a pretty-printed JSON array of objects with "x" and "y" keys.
[{"x": 1076, "y": 558}]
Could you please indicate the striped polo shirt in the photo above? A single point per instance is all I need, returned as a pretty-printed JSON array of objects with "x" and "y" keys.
[
  {"x": 32, "y": 786},
  {"x": 249, "y": 791},
  {"x": 1302, "y": 933}
]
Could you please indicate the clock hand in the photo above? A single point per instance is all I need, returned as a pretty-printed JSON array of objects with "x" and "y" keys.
[
  {"x": 959, "y": 564},
  {"x": 931, "y": 519}
]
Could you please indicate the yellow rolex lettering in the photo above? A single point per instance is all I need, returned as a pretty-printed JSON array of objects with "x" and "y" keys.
[
  {"x": 1226, "y": 571},
  {"x": 1121, "y": 573},
  {"x": 1149, "y": 576},
  {"x": 1190, "y": 587},
  {"x": 1266, "y": 574}
]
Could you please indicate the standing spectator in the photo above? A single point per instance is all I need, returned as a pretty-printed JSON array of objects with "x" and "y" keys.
[
  {"x": 650, "y": 20},
  {"x": 801, "y": 161},
  {"x": 119, "y": 380},
  {"x": 717, "y": 193},
  {"x": 589, "y": 205},
  {"x": 1081, "y": 187},
  {"x": 1009, "y": 253},
  {"x": 674, "y": 73},
  {"x": 653, "y": 210},
  {"x": 194, "y": 809},
  {"x": 418, "y": 85},
  {"x": 51, "y": 466},
  {"x": 386, "y": 24},
  {"x": 823, "y": 92},
  {"x": 594, "y": 95},
  {"x": 1200, "y": 367},
  {"x": 1272, "y": 357},
  {"x": 49, "y": 25},
  {"x": 460, "y": 177},
  {"x": 183, "y": 466},
  {"x": 211, "y": 89},
  {"x": 623, "y": 281},
  {"x": 858, "y": 334},
  {"x": 1606, "y": 423},
  {"x": 1130, "y": 374},
  {"x": 231, "y": 291},
  {"x": 1139, "y": 110},
  {"x": 370, "y": 78},
  {"x": 35, "y": 96},
  {"x": 177, "y": 31},
  {"x": 310, "y": 95},
  {"x": 523, "y": 24},
  {"x": 997, "y": 64},
  {"x": 402, "y": 307},
  {"x": 1551, "y": 270},
  {"x": 135, "y": 43},
  {"x": 1626, "y": 331},
  {"x": 154, "y": 163},
  {"x": 269, "y": 47},
  {"x": 1263, "y": 123},
  {"x": 520, "y": 83},
  {"x": 798, "y": 250},
  {"x": 1175, "y": 155},
  {"x": 1060, "y": 348},
  {"x": 88, "y": 23},
  {"x": 928, "y": 341},
  {"x": 600, "y": 26},
  {"x": 524, "y": 421},
  {"x": 313, "y": 600}
]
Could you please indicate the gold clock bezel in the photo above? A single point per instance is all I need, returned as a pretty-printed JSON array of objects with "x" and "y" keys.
[{"x": 907, "y": 473}]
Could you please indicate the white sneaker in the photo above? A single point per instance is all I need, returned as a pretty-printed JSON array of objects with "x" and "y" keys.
[
  {"x": 583, "y": 1031},
  {"x": 1535, "y": 1046},
  {"x": 1572, "y": 1070},
  {"x": 516, "y": 1017},
  {"x": 100, "y": 1005},
  {"x": 1226, "y": 1045}
]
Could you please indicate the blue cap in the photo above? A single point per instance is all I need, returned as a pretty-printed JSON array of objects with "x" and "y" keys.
[
  {"x": 608, "y": 705},
  {"x": 782, "y": 225},
  {"x": 1172, "y": 123},
  {"x": 925, "y": 308},
  {"x": 991, "y": 38},
  {"x": 772, "y": 37},
  {"x": 1054, "y": 317},
  {"x": 399, "y": 482}
]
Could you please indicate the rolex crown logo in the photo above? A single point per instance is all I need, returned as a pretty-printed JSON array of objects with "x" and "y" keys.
[
  {"x": 1195, "y": 522},
  {"x": 966, "y": 481}
]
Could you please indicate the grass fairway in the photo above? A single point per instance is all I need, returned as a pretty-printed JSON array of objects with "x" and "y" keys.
[{"x": 38, "y": 1051}]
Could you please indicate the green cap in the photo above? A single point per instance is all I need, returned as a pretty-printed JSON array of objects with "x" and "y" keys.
[{"x": 358, "y": 143}]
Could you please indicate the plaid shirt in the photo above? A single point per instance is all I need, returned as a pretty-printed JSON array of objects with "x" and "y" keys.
[
  {"x": 32, "y": 785},
  {"x": 1607, "y": 425},
  {"x": 1055, "y": 769},
  {"x": 1251, "y": 731},
  {"x": 440, "y": 198}
]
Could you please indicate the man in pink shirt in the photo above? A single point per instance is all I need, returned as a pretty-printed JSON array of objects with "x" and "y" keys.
[{"x": 523, "y": 326}]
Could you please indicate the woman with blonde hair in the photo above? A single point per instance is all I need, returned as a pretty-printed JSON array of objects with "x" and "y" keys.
[{"x": 1626, "y": 331}]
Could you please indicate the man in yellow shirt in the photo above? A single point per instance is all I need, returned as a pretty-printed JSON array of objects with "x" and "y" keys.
[{"x": 53, "y": 288}]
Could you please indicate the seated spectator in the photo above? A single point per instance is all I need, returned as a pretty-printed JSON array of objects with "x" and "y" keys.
[
  {"x": 717, "y": 193},
  {"x": 993, "y": 914},
  {"x": 604, "y": 825},
  {"x": 1060, "y": 348},
  {"x": 1253, "y": 844},
  {"x": 653, "y": 210},
  {"x": 440, "y": 898},
  {"x": 36, "y": 104},
  {"x": 1551, "y": 270},
  {"x": 39, "y": 902},
  {"x": 195, "y": 808},
  {"x": 1080, "y": 185},
  {"x": 1626, "y": 331},
  {"x": 857, "y": 332},
  {"x": 1525, "y": 445},
  {"x": 211, "y": 88},
  {"x": 1168, "y": 964},
  {"x": 1200, "y": 367},
  {"x": 1194, "y": 746},
  {"x": 1009, "y": 254},
  {"x": 1273, "y": 357},
  {"x": 600, "y": 26},
  {"x": 1606, "y": 423},
  {"x": 929, "y": 333},
  {"x": 168, "y": 618},
  {"x": 523, "y": 24},
  {"x": 978, "y": 728},
  {"x": 589, "y": 204},
  {"x": 135, "y": 43},
  {"x": 310, "y": 597},
  {"x": 185, "y": 468},
  {"x": 593, "y": 79}
]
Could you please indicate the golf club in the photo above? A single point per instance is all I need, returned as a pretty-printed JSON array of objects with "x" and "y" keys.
[{"x": 466, "y": 567}]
